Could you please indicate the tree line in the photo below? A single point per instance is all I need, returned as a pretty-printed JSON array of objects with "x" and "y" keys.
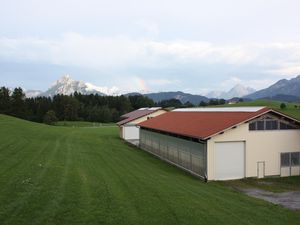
[
  {"x": 93, "y": 107},
  {"x": 78, "y": 107}
]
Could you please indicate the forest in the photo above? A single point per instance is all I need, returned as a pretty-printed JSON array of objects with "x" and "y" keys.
[{"x": 78, "y": 107}]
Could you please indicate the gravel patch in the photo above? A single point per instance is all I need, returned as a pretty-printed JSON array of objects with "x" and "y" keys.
[{"x": 289, "y": 200}]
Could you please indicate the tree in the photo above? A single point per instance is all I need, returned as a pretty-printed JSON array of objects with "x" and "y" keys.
[
  {"x": 18, "y": 103},
  {"x": 213, "y": 102},
  {"x": 222, "y": 101},
  {"x": 140, "y": 101},
  {"x": 170, "y": 103},
  {"x": 188, "y": 104},
  {"x": 202, "y": 104},
  {"x": 50, "y": 118},
  {"x": 4, "y": 100},
  {"x": 283, "y": 105}
]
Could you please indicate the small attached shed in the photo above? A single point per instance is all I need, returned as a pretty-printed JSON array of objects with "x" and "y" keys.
[
  {"x": 226, "y": 143},
  {"x": 128, "y": 128}
]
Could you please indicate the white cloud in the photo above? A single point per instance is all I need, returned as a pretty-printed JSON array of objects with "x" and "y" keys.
[
  {"x": 288, "y": 70},
  {"x": 105, "y": 53},
  {"x": 98, "y": 52},
  {"x": 149, "y": 27}
]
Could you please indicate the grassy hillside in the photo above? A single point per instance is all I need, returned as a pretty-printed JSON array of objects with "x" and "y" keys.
[
  {"x": 65, "y": 175},
  {"x": 290, "y": 109},
  {"x": 82, "y": 124}
]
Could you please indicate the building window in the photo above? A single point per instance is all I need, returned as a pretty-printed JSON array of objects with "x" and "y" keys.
[
  {"x": 252, "y": 126},
  {"x": 289, "y": 159},
  {"x": 285, "y": 159},
  {"x": 271, "y": 125},
  {"x": 285, "y": 126},
  {"x": 295, "y": 159},
  {"x": 260, "y": 125}
]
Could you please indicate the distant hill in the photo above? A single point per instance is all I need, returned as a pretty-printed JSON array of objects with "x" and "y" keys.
[
  {"x": 183, "y": 97},
  {"x": 132, "y": 94},
  {"x": 282, "y": 87},
  {"x": 284, "y": 98}
]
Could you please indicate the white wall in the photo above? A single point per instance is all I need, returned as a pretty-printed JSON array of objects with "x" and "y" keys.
[
  {"x": 264, "y": 146},
  {"x": 131, "y": 133}
]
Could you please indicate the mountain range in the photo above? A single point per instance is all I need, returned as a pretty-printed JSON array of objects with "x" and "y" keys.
[
  {"x": 283, "y": 90},
  {"x": 282, "y": 87},
  {"x": 183, "y": 97},
  {"x": 237, "y": 91},
  {"x": 66, "y": 85}
]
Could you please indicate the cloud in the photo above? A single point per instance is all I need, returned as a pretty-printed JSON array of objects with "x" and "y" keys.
[
  {"x": 253, "y": 83},
  {"x": 125, "y": 53},
  {"x": 289, "y": 70},
  {"x": 149, "y": 27},
  {"x": 94, "y": 51}
]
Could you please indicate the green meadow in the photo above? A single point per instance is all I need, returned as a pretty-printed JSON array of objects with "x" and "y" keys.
[{"x": 77, "y": 175}]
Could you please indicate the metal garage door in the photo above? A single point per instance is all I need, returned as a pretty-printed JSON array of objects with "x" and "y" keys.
[
  {"x": 131, "y": 133},
  {"x": 229, "y": 160}
]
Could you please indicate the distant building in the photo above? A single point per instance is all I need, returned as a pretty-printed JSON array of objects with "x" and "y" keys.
[
  {"x": 128, "y": 129},
  {"x": 225, "y": 143},
  {"x": 231, "y": 102}
]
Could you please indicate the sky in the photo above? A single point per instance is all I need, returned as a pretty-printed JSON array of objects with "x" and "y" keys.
[{"x": 150, "y": 46}]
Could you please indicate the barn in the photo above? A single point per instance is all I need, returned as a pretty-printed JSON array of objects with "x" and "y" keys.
[
  {"x": 128, "y": 129},
  {"x": 225, "y": 143}
]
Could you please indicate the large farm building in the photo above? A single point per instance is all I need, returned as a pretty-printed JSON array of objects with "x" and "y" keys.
[{"x": 225, "y": 143}]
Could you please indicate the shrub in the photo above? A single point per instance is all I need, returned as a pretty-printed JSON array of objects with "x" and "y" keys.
[
  {"x": 50, "y": 118},
  {"x": 283, "y": 106}
]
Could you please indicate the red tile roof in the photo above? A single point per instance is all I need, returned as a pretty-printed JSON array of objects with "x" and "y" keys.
[
  {"x": 128, "y": 117},
  {"x": 200, "y": 125}
]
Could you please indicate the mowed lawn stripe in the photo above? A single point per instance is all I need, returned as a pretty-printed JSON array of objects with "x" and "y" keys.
[
  {"x": 90, "y": 176},
  {"x": 30, "y": 174}
]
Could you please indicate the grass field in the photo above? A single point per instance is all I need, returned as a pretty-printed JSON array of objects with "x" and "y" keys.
[
  {"x": 290, "y": 109},
  {"x": 73, "y": 175},
  {"x": 82, "y": 124}
]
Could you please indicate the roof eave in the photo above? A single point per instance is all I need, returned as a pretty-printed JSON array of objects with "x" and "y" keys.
[{"x": 185, "y": 135}]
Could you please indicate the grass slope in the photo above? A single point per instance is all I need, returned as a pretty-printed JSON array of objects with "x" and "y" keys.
[
  {"x": 63, "y": 175},
  {"x": 290, "y": 110},
  {"x": 82, "y": 124}
]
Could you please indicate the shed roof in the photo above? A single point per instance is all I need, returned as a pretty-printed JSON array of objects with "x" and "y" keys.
[
  {"x": 200, "y": 123},
  {"x": 128, "y": 117}
]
